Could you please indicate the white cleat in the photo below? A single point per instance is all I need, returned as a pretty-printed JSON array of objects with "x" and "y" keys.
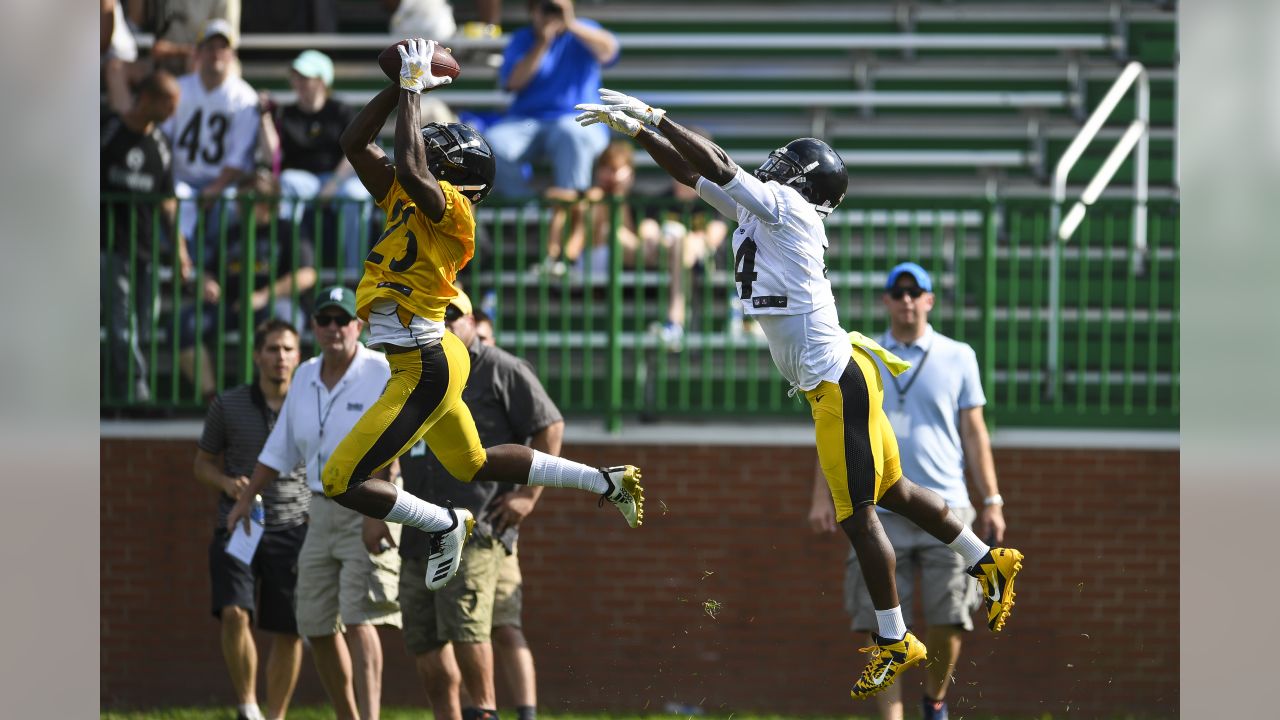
[
  {"x": 446, "y": 549},
  {"x": 625, "y": 492}
]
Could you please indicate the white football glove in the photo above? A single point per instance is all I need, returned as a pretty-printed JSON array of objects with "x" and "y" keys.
[
  {"x": 615, "y": 119},
  {"x": 634, "y": 107},
  {"x": 415, "y": 66}
]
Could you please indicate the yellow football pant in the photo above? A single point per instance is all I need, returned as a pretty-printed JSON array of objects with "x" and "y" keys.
[
  {"x": 423, "y": 400},
  {"x": 856, "y": 445}
]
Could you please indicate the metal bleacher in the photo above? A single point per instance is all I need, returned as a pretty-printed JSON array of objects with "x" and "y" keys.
[{"x": 958, "y": 94}]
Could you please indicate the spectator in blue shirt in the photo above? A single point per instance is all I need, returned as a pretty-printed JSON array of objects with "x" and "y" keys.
[{"x": 550, "y": 67}]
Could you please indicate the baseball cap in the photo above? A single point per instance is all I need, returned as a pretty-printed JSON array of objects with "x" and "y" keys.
[
  {"x": 216, "y": 27},
  {"x": 314, "y": 64},
  {"x": 339, "y": 297},
  {"x": 461, "y": 302},
  {"x": 917, "y": 272}
]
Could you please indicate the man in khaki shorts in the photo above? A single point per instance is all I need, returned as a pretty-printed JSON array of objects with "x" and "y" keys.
[
  {"x": 451, "y": 631},
  {"x": 935, "y": 409},
  {"x": 511, "y": 651},
  {"x": 347, "y": 575}
]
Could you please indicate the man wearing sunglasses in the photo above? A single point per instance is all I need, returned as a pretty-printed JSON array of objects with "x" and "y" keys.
[
  {"x": 348, "y": 580},
  {"x": 935, "y": 409}
]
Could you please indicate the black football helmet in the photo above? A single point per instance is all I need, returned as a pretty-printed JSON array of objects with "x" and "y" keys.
[
  {"x": 458, "y": 154},
  {"x": 811, "y": 167}
]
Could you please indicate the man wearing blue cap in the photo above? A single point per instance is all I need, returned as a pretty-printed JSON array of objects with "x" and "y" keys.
[{"x": 935, "y": 409}]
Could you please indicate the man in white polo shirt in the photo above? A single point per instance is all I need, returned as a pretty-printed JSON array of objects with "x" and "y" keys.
[
  {"x": 348, "y": 581},
  {"x": 935, "y": 409}
]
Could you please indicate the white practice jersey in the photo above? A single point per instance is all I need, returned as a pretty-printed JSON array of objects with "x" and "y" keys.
[
  {"x": 212, "y": 129},
  {"x": 781, "y": 276}
]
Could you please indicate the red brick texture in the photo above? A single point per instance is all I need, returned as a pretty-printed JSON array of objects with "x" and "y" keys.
[{"x": 616, "y": 617}]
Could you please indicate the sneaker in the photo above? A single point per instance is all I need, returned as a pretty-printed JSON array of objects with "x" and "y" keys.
[
  {"x": 625, "y": 492},
  {"x": 933, "y": 709},
  {"x": 995, "y": 573},
  {"x": 888, "y": 659},
  {"x": 446, "y": 549}
]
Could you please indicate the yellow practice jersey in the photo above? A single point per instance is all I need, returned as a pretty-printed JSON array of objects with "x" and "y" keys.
[{"x": 416, "y": 260}]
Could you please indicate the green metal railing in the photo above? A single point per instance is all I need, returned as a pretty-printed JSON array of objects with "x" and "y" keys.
[{"x": 594, "y": 330}]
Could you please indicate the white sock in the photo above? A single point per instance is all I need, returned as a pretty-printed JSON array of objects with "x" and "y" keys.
[
  {"x": 551, "y": 471},
  {"x": 968, "y": 546},
  {"x": 891, "y": 625},
  {"x": 416, "y": 512},
  {"x": 251, "y": 711}
]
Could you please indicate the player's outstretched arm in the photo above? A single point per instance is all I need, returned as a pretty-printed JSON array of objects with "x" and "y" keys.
[
  {"x": 708, "y": 159},
  {"x": 411, "y": 165},
  {"x": 412, "y": 169},
  {"x": 359, "y": 143}
]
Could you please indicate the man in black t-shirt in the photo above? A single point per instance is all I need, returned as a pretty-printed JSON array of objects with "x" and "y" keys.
[
  {"x": 136, "y": 172},
  {"x": 312, "y": 163}
]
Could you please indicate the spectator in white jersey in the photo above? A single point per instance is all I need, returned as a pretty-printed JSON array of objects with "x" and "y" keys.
[
  {"x": 214, "y": 132},
  {"x": 781, "y": 280},
  {"x": 235, "y": 429},
  {"x": 935, "y": 409}
]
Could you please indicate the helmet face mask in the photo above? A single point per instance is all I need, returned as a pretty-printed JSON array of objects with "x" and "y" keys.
[
  {"x": 456, "y": 153},
  {"x": 811, "y": 167}
]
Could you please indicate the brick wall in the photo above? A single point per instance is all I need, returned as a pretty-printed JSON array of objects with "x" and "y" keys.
[{"x": 616, "y": 617}]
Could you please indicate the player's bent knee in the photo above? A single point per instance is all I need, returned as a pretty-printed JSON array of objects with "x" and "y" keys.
[
  {"x": 336, "y": 477},
  {"x": 464, "y": 463}
]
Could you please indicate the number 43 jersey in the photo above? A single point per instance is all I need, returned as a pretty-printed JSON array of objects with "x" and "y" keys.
[
  {"x": 781, "y": 277},
  {"x": 212, "y": 129}
]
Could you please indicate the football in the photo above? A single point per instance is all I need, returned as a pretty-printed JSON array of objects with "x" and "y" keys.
[{"x": 442, "y": 63}]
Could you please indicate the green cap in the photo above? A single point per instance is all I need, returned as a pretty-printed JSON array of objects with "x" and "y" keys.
[{"x": 339, "y": 297}]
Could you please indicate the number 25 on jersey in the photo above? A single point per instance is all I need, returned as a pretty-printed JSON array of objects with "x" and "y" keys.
[{"x": 388, "y": 242}]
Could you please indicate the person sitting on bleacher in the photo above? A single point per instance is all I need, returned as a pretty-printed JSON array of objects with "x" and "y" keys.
[
  {"x": 282, "y": 261},
  {"x": 550, "y": 67},
  {"x": 311, "y": 159},
  {"x": 214, "y": 131}
]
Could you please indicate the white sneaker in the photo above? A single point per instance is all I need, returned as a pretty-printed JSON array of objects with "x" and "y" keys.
[
  {"x": 625, "y": 492},
  {"x": 446, "y": 549}
]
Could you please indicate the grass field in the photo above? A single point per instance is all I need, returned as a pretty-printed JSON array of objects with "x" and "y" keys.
[{"x": 321, "y": 712}]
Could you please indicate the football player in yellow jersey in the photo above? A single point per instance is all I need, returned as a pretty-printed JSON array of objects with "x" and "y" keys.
[{"x": 429, "y": 193}]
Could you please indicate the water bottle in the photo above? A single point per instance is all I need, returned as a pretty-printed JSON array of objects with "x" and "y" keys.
[{"x": 257, "y": 512}]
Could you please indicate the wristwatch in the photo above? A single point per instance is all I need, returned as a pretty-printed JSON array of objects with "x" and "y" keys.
[{"x": 996, "y": 500}]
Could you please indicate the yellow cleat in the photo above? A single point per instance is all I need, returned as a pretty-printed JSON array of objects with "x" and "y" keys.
[
  {"x": 625, "y": 492},
  {"x": 888, "y": 660},
  {"x": 995, "y": 573}
]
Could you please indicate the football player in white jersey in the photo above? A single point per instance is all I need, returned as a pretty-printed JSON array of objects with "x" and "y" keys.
[
  {"x": 781, "y": 280},
  {"x": 215, "y": 129}
]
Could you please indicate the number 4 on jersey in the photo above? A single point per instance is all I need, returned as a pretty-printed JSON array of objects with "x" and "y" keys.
[{"x": 744, "y": 265}]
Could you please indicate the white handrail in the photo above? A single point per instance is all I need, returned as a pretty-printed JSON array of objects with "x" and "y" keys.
[{"x": 1061, "y": 229}]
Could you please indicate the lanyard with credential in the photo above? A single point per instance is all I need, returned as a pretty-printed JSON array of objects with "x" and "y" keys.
[
  {"x": 915, "y": 374},
  {"x": 324, "y": 418}
]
